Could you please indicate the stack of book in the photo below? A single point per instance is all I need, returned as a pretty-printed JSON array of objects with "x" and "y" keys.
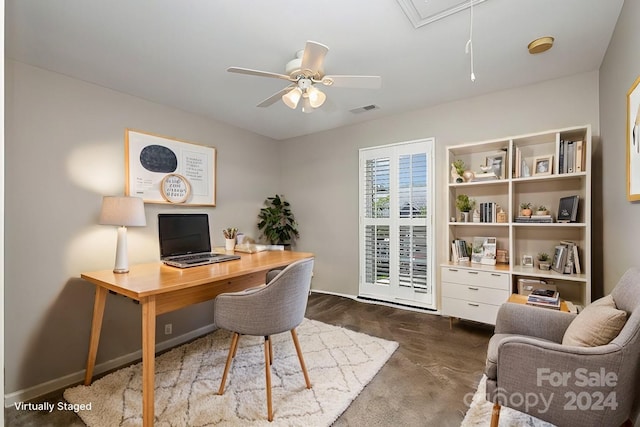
[
  {"x": 571, "y": 156},
  {"x": 547, "y": 298},
  {"x": 459, "y": 251},
  {"x": 535, "y": 219},
  {"x": 566, "y": 258}
]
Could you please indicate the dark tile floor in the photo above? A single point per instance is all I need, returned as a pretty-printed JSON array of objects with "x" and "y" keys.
[{"x": 424, "y": 383}]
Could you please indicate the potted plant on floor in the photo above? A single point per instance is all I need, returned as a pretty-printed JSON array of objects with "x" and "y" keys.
[{"x": 277, "y": 223}]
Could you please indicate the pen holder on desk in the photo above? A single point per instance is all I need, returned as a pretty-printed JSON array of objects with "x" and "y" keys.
[{"x": 229, "y": 244}]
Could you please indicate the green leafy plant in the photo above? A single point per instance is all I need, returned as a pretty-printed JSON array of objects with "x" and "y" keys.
[
  {"x": 460, "y": 166},
  {"x": 277, "y": 222},
  {"x": 543, "y": 256},
  {"x": 542, "y": 208},
  {"x": 464, "y": 203},
  {"x": 525, "y": 205}
]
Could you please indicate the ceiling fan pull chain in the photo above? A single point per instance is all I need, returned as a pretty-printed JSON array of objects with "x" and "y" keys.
[{"x": 469, "y": 46}]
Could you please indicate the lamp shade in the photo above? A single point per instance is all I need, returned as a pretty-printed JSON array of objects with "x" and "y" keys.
[
  {"x": 316, "y": 97},
  {"x": 292, "y": 97},
  {"x": 123, "y": 211}
]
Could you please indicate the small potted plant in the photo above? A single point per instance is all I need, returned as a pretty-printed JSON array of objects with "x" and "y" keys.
[
  {"x": 542, "y": 210},
  {"x": 464, "y": 205},
  {"x": 544, "y": 262},
  {"x": 525, "y": 209},
  {"x": 457, "y": 169}
]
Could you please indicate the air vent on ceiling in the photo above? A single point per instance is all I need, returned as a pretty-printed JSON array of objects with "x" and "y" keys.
[{"x": 364, "y": 109}]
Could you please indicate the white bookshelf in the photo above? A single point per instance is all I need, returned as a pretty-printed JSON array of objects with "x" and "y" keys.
[{"x": 519, "y": 238}]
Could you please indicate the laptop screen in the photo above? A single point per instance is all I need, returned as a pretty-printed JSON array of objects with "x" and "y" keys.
[{"x": 182, "y": 234}]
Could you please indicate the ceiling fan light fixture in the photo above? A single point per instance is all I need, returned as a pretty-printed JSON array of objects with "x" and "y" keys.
[
  {"x": 292, "y": 97},
  {"x": 306, "y": 104},
  {"x": 316, "y": 97}
]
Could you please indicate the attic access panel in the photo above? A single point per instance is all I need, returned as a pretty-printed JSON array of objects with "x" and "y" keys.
[{"x": 421, "y": 12}]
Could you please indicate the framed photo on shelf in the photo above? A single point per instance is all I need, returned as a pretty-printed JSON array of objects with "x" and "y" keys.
[
  {"x": 527, "y": 260},
  {"x": 167, "y": 170},
  {"x": 633, "y": 142},
  {"x": 568, "y": 209},
  {"x": 543, "y": 165},
  {"x": 497, "y": 163}
]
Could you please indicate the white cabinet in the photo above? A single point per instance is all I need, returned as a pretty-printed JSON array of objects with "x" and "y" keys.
[
  {"x": 530, "y": 170},
  {"x": 473, "y": 294}
]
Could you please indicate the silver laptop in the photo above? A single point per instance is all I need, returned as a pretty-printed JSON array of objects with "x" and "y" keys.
[{"x": 185, "y": 241}]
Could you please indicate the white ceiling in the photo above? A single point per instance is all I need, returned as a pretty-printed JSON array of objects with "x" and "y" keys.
[{"x": 176, "y": 52}]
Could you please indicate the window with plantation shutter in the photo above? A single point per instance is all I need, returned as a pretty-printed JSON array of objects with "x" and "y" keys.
[{"x": 396, "y": 231}]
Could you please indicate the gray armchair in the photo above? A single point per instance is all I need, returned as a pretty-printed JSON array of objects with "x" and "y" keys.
[
  {"x": 529, "y": 369},
  {"x": 272, "y": 309}
]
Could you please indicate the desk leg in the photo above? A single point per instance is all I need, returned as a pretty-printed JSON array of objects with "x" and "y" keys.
[
  {"x": 148, "y": 359},
  {"x": 96, "y": 326}
]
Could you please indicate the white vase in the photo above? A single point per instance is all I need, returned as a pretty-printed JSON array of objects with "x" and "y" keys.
[
  {"x": 229, "y": 244},
  {"x": 464, "y": 216}
]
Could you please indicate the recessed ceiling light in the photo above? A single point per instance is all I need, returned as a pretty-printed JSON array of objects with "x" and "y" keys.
[{"x": 540, "y": 45}]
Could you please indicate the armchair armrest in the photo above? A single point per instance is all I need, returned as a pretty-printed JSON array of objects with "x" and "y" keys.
[
  {"x": 531, "y": 321},
  {"x": 558, "y": 375}
]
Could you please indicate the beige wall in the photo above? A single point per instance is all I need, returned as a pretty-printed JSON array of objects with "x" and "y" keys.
[
  {"x": 320, "y": 171},
  {"x": 620, "y": 219},
  {"x": 64, "y": 151}
]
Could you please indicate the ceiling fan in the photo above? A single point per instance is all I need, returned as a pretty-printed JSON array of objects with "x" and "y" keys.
[{"x": 305, "y": 72}]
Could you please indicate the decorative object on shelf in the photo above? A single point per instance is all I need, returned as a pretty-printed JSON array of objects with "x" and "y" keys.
[
  {"x": 468, "y": 175},
  {"x": 489, "y": 251},
  {"x": 544, "y": 261},
  {"x": 476, "y": 215},
  {"x": 525, "y": 209},
  {"x": 502, "y": 256},
  {"x": 485, "y": 169},
  {"x": 277, "y": 222},
  {"x": 527, "y": 261},
  {"x": 541, "y": 210},
  {"x": 459, "y": 167},
  {"x": 501, "y": 216},
  {"x": 543, "y": 165},
  {"x": 568, "y": 209},
  {"x": 123, "y": 212},
  {"x": 497, "y": 164},
  {"x": 525, "y": 169},
  {"x": 464, "y": 205},
  {"x": 230, "y": 235},
  {"x": 476, "y": 250},
  {"x": 167, "y": 170},
  {"x": 633, "y": 142}
]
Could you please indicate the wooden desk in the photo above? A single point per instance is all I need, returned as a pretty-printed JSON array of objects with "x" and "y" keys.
[
  {"x": 161, "y": 289},
  {"x": 522, "y": 299}
]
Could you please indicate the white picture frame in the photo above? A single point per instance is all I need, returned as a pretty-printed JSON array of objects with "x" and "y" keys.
[
  {"x": 497, "y": 163},
  {"x": 527, "y": 260},
  {"x": 543, "y": 165}
]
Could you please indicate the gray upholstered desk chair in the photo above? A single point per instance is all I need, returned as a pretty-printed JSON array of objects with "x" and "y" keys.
[
  {"x": 569, "y": 370},
  {"x": 272, "y": 309}
]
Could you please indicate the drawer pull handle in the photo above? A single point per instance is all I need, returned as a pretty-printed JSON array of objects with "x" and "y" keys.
[
  {"x": 420, "y": 291},
  {"x": 496, "y": 274},
  {"x": 472, "y": 272},
  {"x": 473, "y": 305},
  {"x": 453, "y": 269},
  {"x": 473, "y": 289}
]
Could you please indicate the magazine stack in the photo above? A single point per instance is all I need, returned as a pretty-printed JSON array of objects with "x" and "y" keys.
[{"x": 547, "y": 298}]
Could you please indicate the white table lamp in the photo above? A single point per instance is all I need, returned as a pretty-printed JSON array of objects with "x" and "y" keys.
[{"x": 123, "y": 212}]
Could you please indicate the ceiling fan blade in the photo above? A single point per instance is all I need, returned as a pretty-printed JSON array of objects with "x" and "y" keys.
[
  {"x": 258, "y": 73},
  {"x": 358, "y": 82},
  {"x": 275, "y": 97},
  {"x": 313, "y": 57}
]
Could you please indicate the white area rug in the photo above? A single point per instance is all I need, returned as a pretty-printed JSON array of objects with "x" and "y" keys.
[
  {"x": 479, "y": 413},
  {"x": 340, "y": 363}
]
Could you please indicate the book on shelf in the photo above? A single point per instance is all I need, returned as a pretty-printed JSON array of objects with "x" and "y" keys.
[
  {"x": 553, "y": 306},
  {"x": 534, "y": 219},
  {"x": 559, "y": 258},
  {"x": 572, "y": 264},
  {"x": 488, "y": 212},
  {"x": 484, "y": 176},
  {"x": 568, "y": 209},
  {"x": 544, "y": 295},
  {"x": 459, "y": 251},
  {"x": 571, "y": 156}
]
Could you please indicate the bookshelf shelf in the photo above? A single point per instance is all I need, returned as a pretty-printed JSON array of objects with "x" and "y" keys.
[{"x": 521, "y": 240}]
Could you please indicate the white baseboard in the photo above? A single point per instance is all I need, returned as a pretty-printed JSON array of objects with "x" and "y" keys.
[
  {"x": 368, "y": 300},
  {"x": 76, "y": 377}
]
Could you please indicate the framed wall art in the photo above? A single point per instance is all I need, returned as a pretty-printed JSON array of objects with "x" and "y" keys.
[
  {"x": 633, "y": 142},
  {"x": 543, "y": 165},
  {"x": 160, "y": 169},
  {"x": 497, "y": 164}
]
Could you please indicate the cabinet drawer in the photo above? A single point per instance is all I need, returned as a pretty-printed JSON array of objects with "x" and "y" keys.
[
  {"x": 465, "y": 276},
  {"x": 476, "y": 311},
  {"x": 475, "y": 293}
]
